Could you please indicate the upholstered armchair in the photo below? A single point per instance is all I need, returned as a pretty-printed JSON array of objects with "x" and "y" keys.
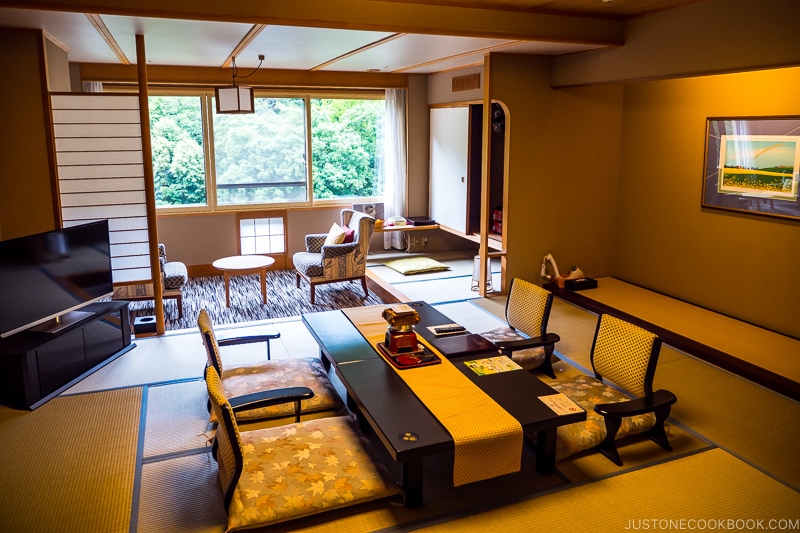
[
  {"x": 277, "y": 377},
  {"x": 320, "y": 465},
  {"x": 174, "y": 276},
  {"x": 625, "y": 355},
  {"x": 332, "y": 257},
  {"x": 525, "y": 339}
]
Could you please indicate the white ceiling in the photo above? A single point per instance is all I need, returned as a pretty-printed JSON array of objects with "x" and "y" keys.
[{"x": 209, "y": 44}]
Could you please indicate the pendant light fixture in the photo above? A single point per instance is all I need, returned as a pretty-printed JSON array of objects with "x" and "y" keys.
[{"x": 236, "y": 99}]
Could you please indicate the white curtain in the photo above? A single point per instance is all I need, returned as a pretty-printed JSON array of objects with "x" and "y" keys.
[
  {"x": 394, "y": 163},
  {"x": 92, "y": 86}
]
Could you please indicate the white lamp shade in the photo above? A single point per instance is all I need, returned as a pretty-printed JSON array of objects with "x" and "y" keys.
[{"x": 235, "y": 99}]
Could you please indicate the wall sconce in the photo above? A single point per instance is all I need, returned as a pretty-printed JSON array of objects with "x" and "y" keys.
[{"x": 236, "y": 99}]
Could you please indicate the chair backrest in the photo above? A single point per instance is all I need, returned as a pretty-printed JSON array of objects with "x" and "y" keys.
[
  {"x": 625, "y": 354},
  {"x": 528, "y": 307},
  {"x": 162, "y": 256},
  {"x": 229, "y": 442},
  {"x": 209, "y": 340},
  {"x": 363, "y": 226}
]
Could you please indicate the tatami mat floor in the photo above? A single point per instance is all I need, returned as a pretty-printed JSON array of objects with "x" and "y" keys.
[{"x": 734, "y": 445}]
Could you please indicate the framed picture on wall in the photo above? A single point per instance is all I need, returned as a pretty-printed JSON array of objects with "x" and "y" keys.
[{"x": 753, "y": 165}]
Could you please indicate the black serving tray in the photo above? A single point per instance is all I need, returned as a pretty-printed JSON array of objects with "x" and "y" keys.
[{"x": 422, "y": 357}]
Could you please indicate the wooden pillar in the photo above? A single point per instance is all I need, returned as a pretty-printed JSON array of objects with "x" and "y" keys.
[
  {"x": 149, "y": 183},
  {"x": 486, "y": 173}
]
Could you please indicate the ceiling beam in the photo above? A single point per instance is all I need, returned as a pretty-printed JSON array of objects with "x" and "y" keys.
[
  {"x": 244, "y": 43},
  {"x": 209, "y": 77},
  {"x": 105, "y": 33},
  {"x": 361, "y": 15}
]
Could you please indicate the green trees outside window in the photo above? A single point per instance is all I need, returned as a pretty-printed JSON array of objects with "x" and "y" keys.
[
  {"x": 176, "y": 131},
  {"x": 345, "y": 144},
  {"x": 261, "y": 158}
]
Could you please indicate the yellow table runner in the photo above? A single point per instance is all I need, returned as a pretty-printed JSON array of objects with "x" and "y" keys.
[{"x": 488, "y": 440}]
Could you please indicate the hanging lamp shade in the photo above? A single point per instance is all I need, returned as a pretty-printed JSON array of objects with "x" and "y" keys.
[{"x": 235, "y": 99}]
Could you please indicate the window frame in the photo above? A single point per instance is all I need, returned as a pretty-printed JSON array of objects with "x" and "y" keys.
[
  {"x": 280, "y": 258},
  {"x": 207, "y": 110}
]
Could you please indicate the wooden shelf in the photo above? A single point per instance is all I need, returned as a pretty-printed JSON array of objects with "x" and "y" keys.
[
  {"x": 493, "y": 242},
  {"x": 383, "y": 229}
]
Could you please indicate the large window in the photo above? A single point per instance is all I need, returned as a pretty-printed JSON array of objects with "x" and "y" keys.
[
  {"x": 176, "y": 131},
  {"x": 260, "y": 158},
  {"x": 346, "y": 143},
  {"x": 203, "y": 159}
]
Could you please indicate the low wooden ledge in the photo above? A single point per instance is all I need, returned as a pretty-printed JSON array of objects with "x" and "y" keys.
[
  {"x": 383, "y": 290},
  {"x": 749, "y": 370}
]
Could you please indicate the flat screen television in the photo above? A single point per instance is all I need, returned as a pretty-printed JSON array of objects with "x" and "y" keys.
[{"x": 47, "y": 277}]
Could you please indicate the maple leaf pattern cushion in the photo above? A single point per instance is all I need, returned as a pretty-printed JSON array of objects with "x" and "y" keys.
[{"x": 305, "y": 468}]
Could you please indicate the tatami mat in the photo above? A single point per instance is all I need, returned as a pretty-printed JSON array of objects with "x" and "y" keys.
[
  {"x": 441, "y": 290},
  {"x": 177, "y": 418},
  {"x": 636, "y": 452},
  {"x": 154, "y": 360},
  {"x": 440, "y": 499},
  {"x": 712, "y": 486},
  {"x": 181, "y": 494},
  {"x": 746, "y": 419},
  {"x": 180, "y": 355},
  {"x": 69, "y": 465},
  {"x": 472, "y": 317}
]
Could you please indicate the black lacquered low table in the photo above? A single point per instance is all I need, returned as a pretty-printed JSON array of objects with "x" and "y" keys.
[{"x": 408, "y": 431}]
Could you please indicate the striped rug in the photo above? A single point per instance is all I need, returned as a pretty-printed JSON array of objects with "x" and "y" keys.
[{"x": 284, "y": 299}]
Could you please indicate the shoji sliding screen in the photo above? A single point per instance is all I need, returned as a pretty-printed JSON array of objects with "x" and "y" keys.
[{"x": 98, "y": 142}]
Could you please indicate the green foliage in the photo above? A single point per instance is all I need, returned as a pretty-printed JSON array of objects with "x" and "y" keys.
[
  {"x": 345, "y": 135},
  {"x": 261, "y": 157},
  {"x": 267, "y": 148},
  {"x": 176, "y": 131}
]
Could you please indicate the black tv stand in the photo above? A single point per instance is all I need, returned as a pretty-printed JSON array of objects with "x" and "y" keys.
[
  {"x": 36, "y": 366},
  {"x": 62, "y": 322}
]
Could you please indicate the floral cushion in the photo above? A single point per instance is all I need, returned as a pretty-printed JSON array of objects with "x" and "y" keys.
[
  {"x": 588, "y": 392},
  {"x": 528, "y": 358},
  {"x": 299, "y": 372},
  {"x": 302, "y": 469}
]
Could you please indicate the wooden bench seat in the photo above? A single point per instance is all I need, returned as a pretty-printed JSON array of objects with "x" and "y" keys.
[{"x": 760, "y": 355}]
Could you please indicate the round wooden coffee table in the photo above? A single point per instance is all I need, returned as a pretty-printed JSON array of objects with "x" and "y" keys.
[{"x": 243, "y": 264}]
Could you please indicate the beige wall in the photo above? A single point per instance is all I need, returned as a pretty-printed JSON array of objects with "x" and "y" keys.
[
  {"x": 418, "y": 127},
  {"x": 200, "y": 239},
  {"x": 26, "y": 201},
  {"x": 58, "y": 75},
  {"x": 737, "y": 264},
  {"x": 702, "y": 38},
  {"x": 563, "y": 165},
  {"x": 440, "y": 87}
]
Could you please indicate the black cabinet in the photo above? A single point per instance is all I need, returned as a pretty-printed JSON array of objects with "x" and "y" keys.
[{"x": 36, "y": 366}]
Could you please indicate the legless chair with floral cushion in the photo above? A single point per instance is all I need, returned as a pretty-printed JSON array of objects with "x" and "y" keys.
[
  {"x": 626, "y": 355},
  {"x": 272, "y": 377},
  {"x": 272, "y": 475},
  {"x": 525, "y": 339},
  {"x": 339, "y": 255}
]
